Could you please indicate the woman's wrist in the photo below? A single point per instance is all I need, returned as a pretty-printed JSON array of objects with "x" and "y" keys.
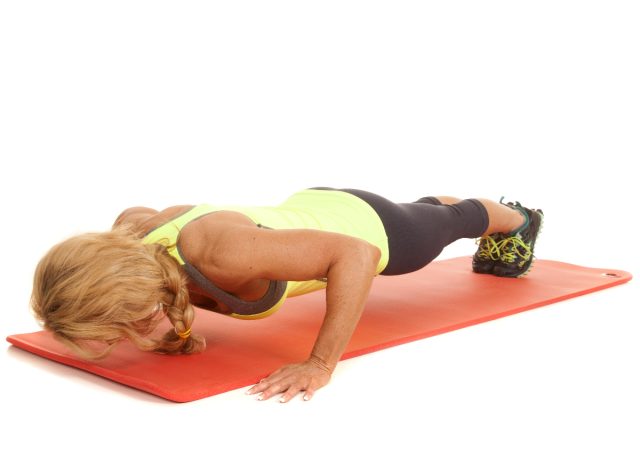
[{"x": 321, "y": 363}]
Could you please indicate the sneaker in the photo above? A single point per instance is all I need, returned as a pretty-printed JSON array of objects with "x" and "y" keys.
[
  {"x": 488, "y": 253},
  {"x": 516, "y": 248}
]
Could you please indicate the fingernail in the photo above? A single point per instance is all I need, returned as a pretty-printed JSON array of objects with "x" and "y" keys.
[
  {"x": 282, "y": 400},
  {"x": 306, "y": 398},
  {"x": 260, "y": 397}
]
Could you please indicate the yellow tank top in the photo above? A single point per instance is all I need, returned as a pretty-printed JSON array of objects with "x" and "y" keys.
[{"x": 326, "y": 210}]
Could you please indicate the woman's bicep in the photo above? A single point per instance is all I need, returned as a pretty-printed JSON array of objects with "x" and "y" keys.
[{"x": 288, "y": 254}]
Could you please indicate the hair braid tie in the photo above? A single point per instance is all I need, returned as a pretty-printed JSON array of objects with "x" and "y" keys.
[{"x": 184, "y": 334}]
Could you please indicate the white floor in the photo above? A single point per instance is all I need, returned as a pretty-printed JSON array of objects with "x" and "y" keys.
[{"x": 148, "y": 103}]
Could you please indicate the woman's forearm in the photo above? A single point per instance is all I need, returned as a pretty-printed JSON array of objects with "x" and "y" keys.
[{"x": 348, "y": 284}]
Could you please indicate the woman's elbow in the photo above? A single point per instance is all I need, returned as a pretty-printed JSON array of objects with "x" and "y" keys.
[
  {"x": 376, "y": 254},
  {"x": 369, "y": 255}
]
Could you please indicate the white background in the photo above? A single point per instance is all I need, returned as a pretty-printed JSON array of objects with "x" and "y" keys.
[{"x": 105, "y": 105}]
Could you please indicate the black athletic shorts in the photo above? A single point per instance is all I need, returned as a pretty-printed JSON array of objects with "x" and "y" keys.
[{"x": 418, "y": 231}]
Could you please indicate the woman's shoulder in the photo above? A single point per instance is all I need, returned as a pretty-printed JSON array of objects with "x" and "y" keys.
[{"x": 143, "y": 219}]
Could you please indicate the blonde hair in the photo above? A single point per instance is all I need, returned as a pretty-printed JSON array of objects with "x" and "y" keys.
[{"x": 100, "y": 288}]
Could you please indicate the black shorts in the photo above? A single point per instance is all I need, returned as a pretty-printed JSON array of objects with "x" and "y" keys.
[{"x": 418, "y": 231}]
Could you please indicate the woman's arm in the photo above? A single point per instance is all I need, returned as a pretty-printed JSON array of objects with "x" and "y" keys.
[
  {"x": 143, "y": 219},
  {"x": 239, "y": 253},
  {"x": 134, "y": 216}
]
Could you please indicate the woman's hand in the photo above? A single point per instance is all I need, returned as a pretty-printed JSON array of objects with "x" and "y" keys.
[{"x": 307, "y": 377}]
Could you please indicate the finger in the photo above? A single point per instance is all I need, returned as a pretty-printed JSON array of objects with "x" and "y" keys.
[
  {"x": 265, "y": 382},
  {"x": 256, "y": 388},
  {"x": 273, "y": 389},
  {"x": 290, "y": 393},
  {"x": 308, "y": 394}
]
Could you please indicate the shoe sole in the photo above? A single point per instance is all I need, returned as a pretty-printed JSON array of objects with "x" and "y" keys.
[{"x": 487, "y": 271}]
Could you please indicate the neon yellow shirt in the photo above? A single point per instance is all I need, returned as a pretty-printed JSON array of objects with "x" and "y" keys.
[{"x": 325, "y": 210}]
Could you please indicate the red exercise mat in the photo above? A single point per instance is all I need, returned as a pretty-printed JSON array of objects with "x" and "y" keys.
[{"x": 440, "y": 298}]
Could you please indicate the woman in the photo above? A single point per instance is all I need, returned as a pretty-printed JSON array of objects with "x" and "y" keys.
[{"x": 245, "y": 261}]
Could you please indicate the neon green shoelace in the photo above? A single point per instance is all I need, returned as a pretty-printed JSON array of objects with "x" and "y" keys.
[
  {"x": 513, "y": 247},
  {"x": 507, "y": 250},
  {"x": 489, "y": 249}
]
